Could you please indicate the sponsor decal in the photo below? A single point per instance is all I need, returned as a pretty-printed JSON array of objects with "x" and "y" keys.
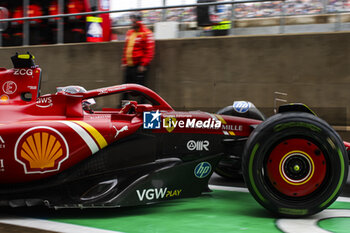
[
  {"x": 232, "y": 127},
  {"x": 241, "y": 106},
  {"x": 9, "y": 87},
  {"x": 32, "y": 87},
  {"x": 173, "y": 193},
  {"x": 41, "y": 149},
  {"x": 155, "y": 194},
  {"x": 228, "y": 129},
  {"x": 103, "y": 91},
  {"x": 2, "y": 143},
  {"x": 99, "y": 116},
  {"x": 28, "y": 72},
  {"x": 172, "y": 123},
  {"x": 151, "y": 120},
  {"x": 125, "y": 128},
  {"x": 4, "y": 98},
  {"x": 2, "y": 167},
  {"x": 179, "y": 115},
  {"x": 44, "y": 102},
  {"x": 198, "y": 145},
  {"x": 202, "y": 170}
]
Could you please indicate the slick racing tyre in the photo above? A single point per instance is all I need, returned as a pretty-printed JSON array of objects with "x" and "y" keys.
[{"x": 294, "y": 164}]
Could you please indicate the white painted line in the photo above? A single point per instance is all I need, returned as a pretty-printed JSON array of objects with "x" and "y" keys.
[
  {"x": 245, "y": 190},
  {"x": 287, "y": 225},
  {"x": 50, "y": 225},
  {"x": 309, "y": 224},
  {"x": 343, "y": 199},
  {"x": 228, "y": 188}
]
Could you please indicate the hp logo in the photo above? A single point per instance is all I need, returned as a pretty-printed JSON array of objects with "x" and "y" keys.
[
  {"x": 202, "y": 170},
  {"x": 241, "y": 106}
]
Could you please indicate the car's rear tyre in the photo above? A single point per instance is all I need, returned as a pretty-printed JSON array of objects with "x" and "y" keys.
[{"x": 295, "y": 164}]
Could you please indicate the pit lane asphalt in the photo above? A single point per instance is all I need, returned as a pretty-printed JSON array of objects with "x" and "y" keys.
[{"x": 7, "y": 228}]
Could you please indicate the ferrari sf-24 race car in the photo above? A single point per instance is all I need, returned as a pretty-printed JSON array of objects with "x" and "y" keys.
[{"x": 56, "y": 150}]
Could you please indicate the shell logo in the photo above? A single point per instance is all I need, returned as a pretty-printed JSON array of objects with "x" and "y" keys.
[
  {"x": 4, "y": 98},
  {"x": 41, "y": 149}
]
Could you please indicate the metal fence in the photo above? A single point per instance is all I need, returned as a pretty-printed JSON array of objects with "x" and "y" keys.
[
  {"x": 245, "y": 10},
  {"x": 231, "y": 10}
]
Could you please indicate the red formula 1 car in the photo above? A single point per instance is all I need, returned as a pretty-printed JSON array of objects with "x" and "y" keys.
[{"x": 56, "y": 150}]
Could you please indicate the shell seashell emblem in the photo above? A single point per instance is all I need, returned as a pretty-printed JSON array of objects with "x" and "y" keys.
[{"x": 41, "y": 149}]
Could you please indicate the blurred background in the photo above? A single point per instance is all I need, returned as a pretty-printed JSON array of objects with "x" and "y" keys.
[
  {"x": 237, "y": 18},
  {"x": 208, "y": 53}
]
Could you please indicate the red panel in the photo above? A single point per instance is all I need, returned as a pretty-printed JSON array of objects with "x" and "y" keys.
[{"x": 15, "y": 82}]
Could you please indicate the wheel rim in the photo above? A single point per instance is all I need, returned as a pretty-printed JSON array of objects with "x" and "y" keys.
[{"x": 296, "y": 167}]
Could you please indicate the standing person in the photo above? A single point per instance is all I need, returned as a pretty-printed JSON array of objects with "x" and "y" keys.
[{"x": 138, "y": 51}]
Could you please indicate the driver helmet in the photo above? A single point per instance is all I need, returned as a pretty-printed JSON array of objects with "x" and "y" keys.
[{"x": 77, "y": 89}]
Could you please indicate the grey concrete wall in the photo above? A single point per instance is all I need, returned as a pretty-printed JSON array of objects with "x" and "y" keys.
[
  {"x": 212, "y": 72},
  {"x": 209, "y": 73},
  {"x": 90, "y": 65}
]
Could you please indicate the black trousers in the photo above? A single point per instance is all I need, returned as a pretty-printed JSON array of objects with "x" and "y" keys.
[{"x": 132, "y": 75}]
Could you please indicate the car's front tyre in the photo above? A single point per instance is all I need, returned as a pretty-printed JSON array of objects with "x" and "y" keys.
[{"x": 295, "y": 164}]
